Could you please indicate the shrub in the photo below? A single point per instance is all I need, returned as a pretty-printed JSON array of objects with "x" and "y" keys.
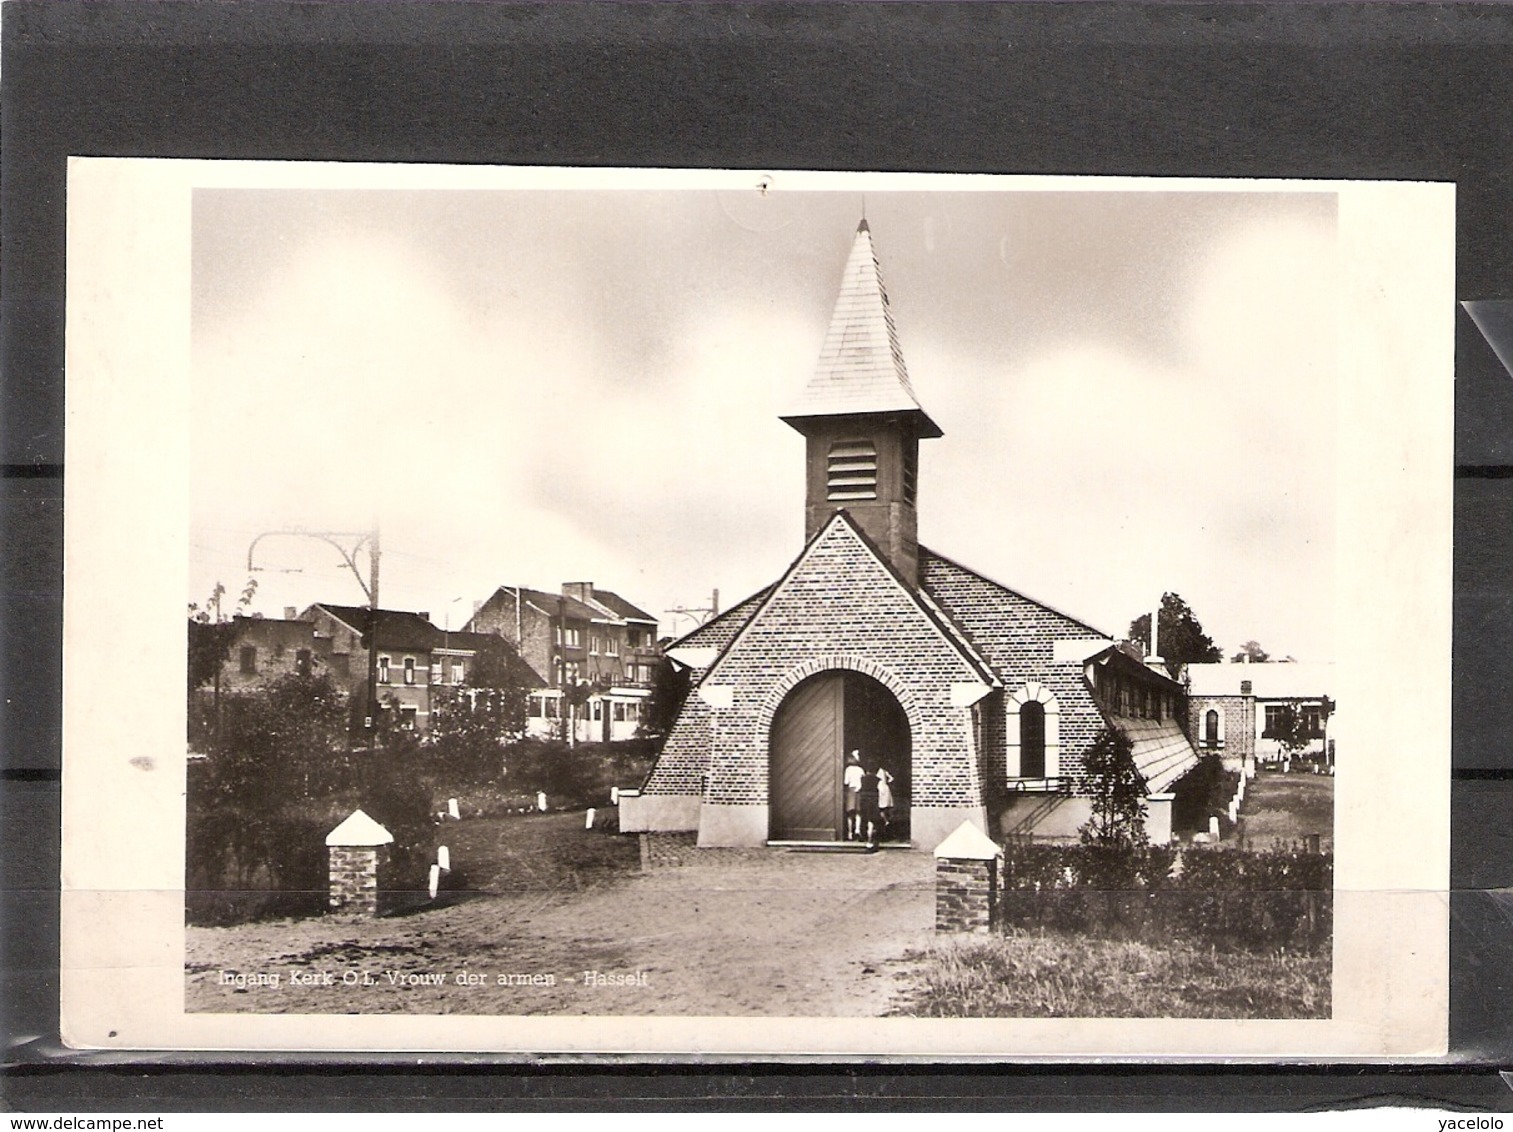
[
  {"x": 1280, "y": 898},
  {"x": 1118, "y": 794},
  {"x": 575, "y": 777}
]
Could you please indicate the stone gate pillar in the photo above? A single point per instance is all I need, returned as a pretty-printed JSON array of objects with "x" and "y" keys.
[
  {"x": 966, "y": 881},
  {"x": 357, "y": 854}
]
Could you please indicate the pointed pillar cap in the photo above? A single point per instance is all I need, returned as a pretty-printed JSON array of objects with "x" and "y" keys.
[
  {"x": 358, "y": 831},
  {"x": 968, "y": 843}
]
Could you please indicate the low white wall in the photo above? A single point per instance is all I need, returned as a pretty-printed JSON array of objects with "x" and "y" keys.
[
  {"x": 658, "y": 813},
  {"x": 1044, "y": 815},
  {"x": 732, "y": 826}
]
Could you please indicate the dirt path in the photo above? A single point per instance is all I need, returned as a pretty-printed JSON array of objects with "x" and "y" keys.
[{"x": 759, "y": 933}]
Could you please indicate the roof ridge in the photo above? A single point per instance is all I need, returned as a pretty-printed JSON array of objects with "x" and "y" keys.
[{"x": 924, "y": 550}]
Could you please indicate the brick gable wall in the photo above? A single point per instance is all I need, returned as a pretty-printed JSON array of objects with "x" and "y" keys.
[
  {"x": 1016, "y": 635},
  {"x": 684, "y": 758},
  {"x": 841, "y": 608}
]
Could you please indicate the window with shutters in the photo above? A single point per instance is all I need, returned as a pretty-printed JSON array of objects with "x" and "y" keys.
[{"x": 852, "y": 471}]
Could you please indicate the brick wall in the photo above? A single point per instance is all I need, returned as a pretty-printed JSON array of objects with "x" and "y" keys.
[
  {"x": 1017, "y": 636},
  {"x": 497, "y": 616},
  {"x": 1238, "y": 731},
  {"x": 684, "y": 759},
  {"x": 966, "y": 894},
  {"x": 841, "y": 608},
  {"x": 353, "y": 875}
]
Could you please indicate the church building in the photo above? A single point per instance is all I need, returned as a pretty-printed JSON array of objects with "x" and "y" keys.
[{"x": 978, "y": 702}]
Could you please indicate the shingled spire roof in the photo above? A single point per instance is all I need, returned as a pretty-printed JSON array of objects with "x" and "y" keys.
[{"x": 861, "y": 368}]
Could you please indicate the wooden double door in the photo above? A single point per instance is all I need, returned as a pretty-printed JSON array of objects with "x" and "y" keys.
[{"x": 824, "y": 717}]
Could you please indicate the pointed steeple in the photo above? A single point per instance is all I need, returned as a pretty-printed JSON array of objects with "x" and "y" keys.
[
  {"x": 861, "y": 368},
  {"x": 861, "y": 421}
]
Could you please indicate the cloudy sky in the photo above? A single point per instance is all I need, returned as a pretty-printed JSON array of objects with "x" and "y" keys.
[{"x": 1137, "y": 391}]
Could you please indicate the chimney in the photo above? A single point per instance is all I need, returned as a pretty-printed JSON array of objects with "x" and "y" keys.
[
  {"x": 424, "y": 615},
  {"x": 289, "y": 612},
  {"x": 1154, "y": 659},
  {"x": 578, "y": 591}
]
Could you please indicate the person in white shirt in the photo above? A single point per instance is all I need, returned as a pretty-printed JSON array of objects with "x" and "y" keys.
[
  {"x": 851, "y": 779},
  {"x": 884, "y": 796}
]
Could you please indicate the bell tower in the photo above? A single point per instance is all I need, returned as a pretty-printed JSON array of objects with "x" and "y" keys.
[{"x": 861, "y": 421}]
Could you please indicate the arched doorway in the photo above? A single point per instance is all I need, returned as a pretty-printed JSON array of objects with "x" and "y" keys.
[{"x": 821, "y": 719}]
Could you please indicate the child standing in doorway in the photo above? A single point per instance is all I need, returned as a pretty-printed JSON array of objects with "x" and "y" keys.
[
  {"x": 884, "y": 799},
  {"x": 852, "y": 780}
]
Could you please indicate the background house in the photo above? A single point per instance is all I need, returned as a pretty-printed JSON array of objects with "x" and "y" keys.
[
  {"x": 412, "y": 655},
  {"x": 581, "y": 637},
  {"x": 1235, "y": 710},
  {"x": 265, "y": 648}
]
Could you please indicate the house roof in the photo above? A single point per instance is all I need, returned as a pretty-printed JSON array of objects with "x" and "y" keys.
[
  {"x": 1005, "y": 634},
  {"x": 483, "y": 643},
  {"x": 1161, "y": 752},
  {"x": 1015, "y": 634},
  {"x": 548, "y": 603},
  {"x": 622, "y": 608},
  {"x": 573, "y": 609},
  {"x": 396, "y": 628},
  {"x": 861, "y": 367},
  {"x": 464, "y": 641},
  {"x": 1273, "y": 680}
]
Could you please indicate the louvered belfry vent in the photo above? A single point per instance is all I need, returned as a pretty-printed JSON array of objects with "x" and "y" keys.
[
  {"x": 861, "y": 422},
  {"x": 852, "y": 470}
]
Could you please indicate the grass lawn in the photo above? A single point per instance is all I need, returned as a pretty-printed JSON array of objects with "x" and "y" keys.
[
  {"x": 538, "y": 852},
  {"x": 1286, "y": 808},
  {"x": 1053, "y": 975}
]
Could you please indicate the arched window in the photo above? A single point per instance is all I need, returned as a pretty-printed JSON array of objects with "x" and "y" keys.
[
  {"x": 1211, "y": 728},
  {"x": 1032, "y": 740}
]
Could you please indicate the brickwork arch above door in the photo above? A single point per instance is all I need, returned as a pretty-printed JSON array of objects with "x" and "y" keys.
[{"x": 801, "y": 672}]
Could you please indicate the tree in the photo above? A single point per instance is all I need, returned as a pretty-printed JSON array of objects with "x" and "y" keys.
[
  {"x": 472, "y": 724},
  {"x": 574, "y": 697},
  {"x": 670, "y": 683},
  {"x": 1181, "y": 638},
  {"x": 1252, "y": 652},
  {"x": 211, "y": 635},
  {"x": 1295, "y": 730},
  {"x": 1118, "y": 794},
  {"x": 278, "y": 745}
]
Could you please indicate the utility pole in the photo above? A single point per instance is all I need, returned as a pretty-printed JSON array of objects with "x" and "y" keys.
[
  {"x": 361, "y": 539},
  {"x": 372, "y": 720},
  {"x": 701, "y": 614}
]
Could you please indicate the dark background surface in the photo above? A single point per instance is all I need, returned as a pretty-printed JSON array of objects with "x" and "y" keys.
[{"x": 1264, "y": 90}]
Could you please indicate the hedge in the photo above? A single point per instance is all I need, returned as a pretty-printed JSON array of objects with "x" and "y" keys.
[{"x": 1276, "y": 899}]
